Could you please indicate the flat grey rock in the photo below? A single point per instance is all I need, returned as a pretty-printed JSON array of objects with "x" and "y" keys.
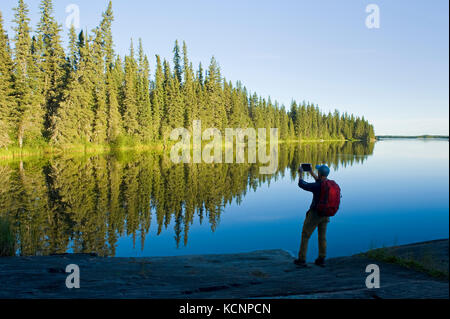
[{"x": 259, "y": 274}]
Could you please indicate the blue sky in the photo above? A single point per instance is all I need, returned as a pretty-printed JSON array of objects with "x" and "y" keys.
[{"x": 397, "y": 76}]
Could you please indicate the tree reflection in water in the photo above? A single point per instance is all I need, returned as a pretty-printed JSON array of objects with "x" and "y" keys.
[{"x": 87, "y": 203}]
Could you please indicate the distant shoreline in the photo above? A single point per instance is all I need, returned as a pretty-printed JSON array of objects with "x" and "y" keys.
[{"x": 378, "y": 137}]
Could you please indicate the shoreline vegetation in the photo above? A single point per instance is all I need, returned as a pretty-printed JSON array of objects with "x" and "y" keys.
[
  {"x": 86, "y": 94},
  {"x": 423, "y": 257},
  {"x": 378, "y": 137},
  {"x": 15, "y": 153}
]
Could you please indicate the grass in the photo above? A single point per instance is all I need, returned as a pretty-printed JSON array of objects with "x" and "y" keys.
[
  {"x": 7, "y": 242},
  {"x": 424, "y": 264},
  {"x": 15, "y": 153},
  {"x": 123, "y": 144}
]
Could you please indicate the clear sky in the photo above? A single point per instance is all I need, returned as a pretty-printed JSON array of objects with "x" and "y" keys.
[{"x": 397, "y": 76}]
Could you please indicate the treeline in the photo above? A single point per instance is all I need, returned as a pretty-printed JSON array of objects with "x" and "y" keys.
[
  {"x": 412, "y": 136},
  {"x": 86, "y": 204},
  {"x": 88, "y": 94}
]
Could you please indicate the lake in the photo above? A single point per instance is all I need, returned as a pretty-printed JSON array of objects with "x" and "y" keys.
[{"x": 133, "y": 204}]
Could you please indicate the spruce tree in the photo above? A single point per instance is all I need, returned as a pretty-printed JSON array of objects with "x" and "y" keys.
[
  {"x": 284, "y": 124},
  {"x": 65, "y": 121},
  {"x": 144, "y": 108},
  {"x": 74, "y": 51},
  {"x": 188, "y": 91},
  {"x": 27, "y": 112},
  {"x": 158, "y": 98},
  {"x": 100, "y": 125},
  {"x": 129, "y": 114},
  {"x": 200, "y": 93},
  {"x": 236, "y": 117},
  {"x": 85, "y": 80},
  {"x": 200, "y": 75},
  {"x": 114, "y": 118},
  {"x": 107, "y": 37},
  {"x": 173, "y": 105},
  {"x": 6, "y": 87},
  {"x": 214, "y": 95},
  {"x": 72, "y": 122},
  {"x": 113, "y": 78},
  {"x": 177, "y": 62},
  {"x": 119, "y": 80},
  {"x": 53, "y": 63}
]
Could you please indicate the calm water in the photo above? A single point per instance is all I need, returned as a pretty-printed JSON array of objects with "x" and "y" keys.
[{"x": 128, "y": 204}]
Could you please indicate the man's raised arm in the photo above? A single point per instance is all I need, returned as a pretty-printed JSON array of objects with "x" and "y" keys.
[{"x": 310, "y": 187}]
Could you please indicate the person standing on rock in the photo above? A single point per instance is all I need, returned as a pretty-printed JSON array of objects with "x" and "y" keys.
[{"x": 325, "y": 203}]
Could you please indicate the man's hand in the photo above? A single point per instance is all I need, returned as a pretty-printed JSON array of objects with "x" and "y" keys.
[
  {"x": 314, "y": 175},
  {"x": 300, "y": 173}
]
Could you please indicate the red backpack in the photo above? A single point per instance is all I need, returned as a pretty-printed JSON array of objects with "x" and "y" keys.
[{"x": 330, "y": 198}]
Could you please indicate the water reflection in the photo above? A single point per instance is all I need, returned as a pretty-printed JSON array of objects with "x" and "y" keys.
[{"x": 85, "y": 204}]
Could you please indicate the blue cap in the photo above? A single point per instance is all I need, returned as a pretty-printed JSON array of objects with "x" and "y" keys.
[{"x": 323, "y": 170}]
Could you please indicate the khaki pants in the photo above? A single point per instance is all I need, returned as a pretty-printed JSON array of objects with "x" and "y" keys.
[{"x": 313, "y": 221}]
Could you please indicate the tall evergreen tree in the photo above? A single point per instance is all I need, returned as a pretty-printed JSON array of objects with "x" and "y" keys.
[
  {"x": 284, "y": 124},
  {"x": 74, "y": 50},
  {"x": 6, "y": 87},
  {"x": 188, "y": 91},
  {"x": 144, "y": 108},
  {"x": 130, "y": 111},
  {"x": 112, "y": 82},
  {"x": 158, "y": 98},
  {"x": 200, "y": 75},
  {"x": 27, "y": 112},
  {"x": 108, "y": 44},
  {"x": 214, "y": 94},
  {"x": 66, "y": 121},
  {"x": 100, "y": 125},
  {"x": 173, "y": 105},
  {"x": 73, "y": 120},
  {"x": 87, "y": 101},
  {"x": 53, "y": 66},
  {"x": 177, "y": 62},
  {"x": 114, "y": 118}
]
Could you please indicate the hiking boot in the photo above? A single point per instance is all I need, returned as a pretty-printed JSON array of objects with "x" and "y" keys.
[
  {"x": 320, "y": 262},
  {"x": 300, "y": 262}
]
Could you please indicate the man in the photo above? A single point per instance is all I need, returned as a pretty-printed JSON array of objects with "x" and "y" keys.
[{"x": 313, "y": 220}]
